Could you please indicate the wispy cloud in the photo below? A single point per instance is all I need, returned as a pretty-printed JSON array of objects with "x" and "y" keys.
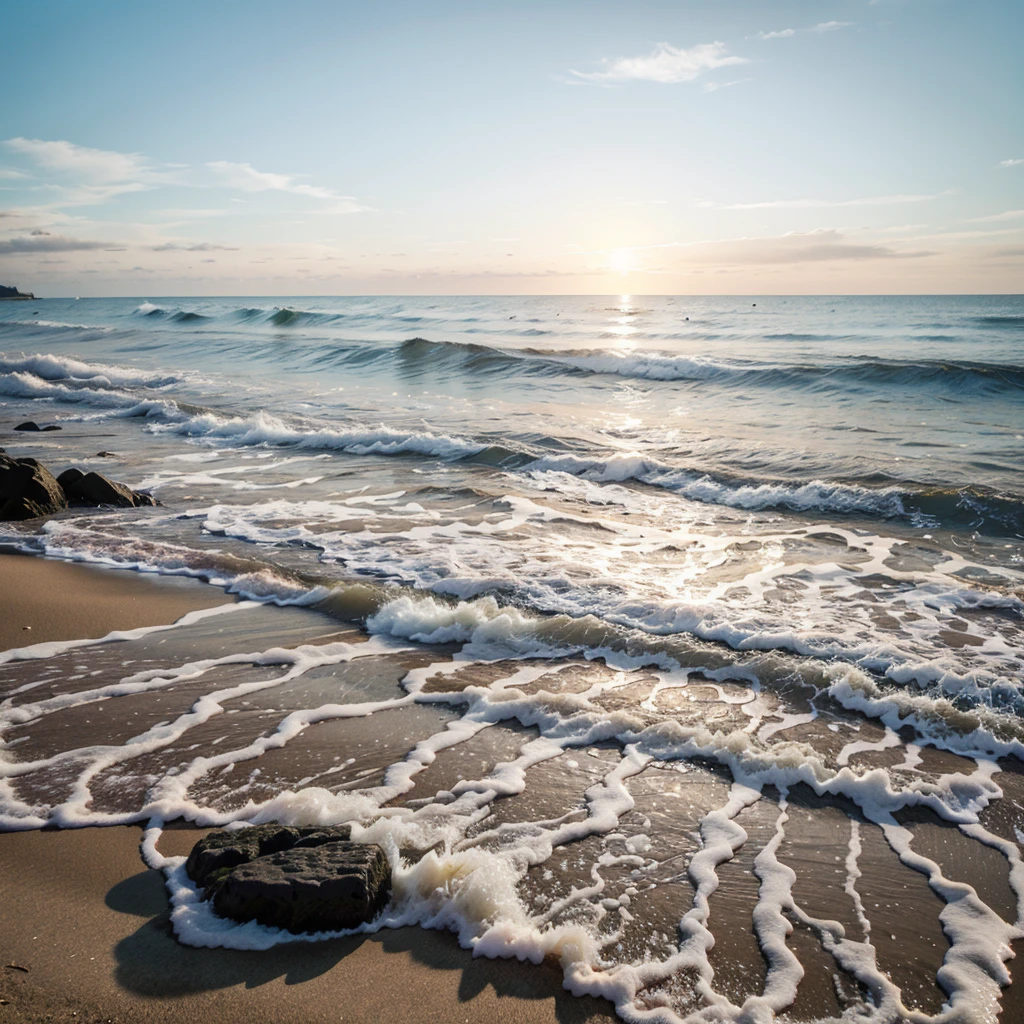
[
  {"x": 810, "y": 204},
  {"x": 1011, "y": 163},
  {"x": 815, "y": 247},
  {"x": 246, "y": 178},
  {"x": 187, "y": 213},
  {"x": 95, "y": 165},
  {"x": 665, "y": 64},
  {"x": 796, "y": 247},
  {"x": 993, "y": 217},
  {"x": 819, "y": 29},
  {"x": 42, "y": 241},
  {"x": 84, "y": 176},
  {"x": 899, "y": 229},
  {"x": 87, "y": 176},
  {"x": 715, "y": 86},
  {"x": 942, "y": 236},
  {"x": 197, "y": 247}
]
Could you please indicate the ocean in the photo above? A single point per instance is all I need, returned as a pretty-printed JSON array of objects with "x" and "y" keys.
[{"x": 677, "y": 640}]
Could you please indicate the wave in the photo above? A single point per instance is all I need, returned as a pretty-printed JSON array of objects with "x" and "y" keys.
[
  {"x": 857, "y": 370},
  {"x": 248, "y": 577},
  {"x": 967, "y": 507},
  {"x": 645, "y": 633},
  {"x": 104, "y": 387},
  {"x": 62, "y": 368},
  {"x": 1000, "y": 321},
  {"x": 171, "y": 417},
  {"x": 286, "y": 317},
  {"x": 114, "y": 401},
  {"x": 53, "y": 325},
  {"x": 814, "y": 495},
  {"x": 126, "y": 392},
  {"x": 179, "y": 316},
  {"x": 283, "y": 316},
  {"x": 293, "y": 317},
  {"x": 664, "y": 366},
  {"x": 486, "y": 358},
  {"x": 264, "y": 429}
]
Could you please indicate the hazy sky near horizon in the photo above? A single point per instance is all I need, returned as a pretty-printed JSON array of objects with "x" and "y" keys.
[{"x": 735, "y": 146}]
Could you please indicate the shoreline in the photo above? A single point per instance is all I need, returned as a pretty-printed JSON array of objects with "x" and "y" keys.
[
  {"x": 80, "y": 911},
  {"x": 90, "y": 923},
  {"x": 42, "y": 600},
  {"x": 98, "y": 946}
]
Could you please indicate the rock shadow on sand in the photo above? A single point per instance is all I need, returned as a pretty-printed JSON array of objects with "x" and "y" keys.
[{"x": 152, "y": 964}]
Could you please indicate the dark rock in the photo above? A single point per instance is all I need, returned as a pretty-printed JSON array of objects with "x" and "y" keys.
[
  {"x": 69, "y": 477},
  {"x": 106, "y": 455},
  {"x": 28, "y": 489},
  {"x": 217, "y": 853},
  {"x": 307, "y": 889},
  {"x": 90, "y": 489},
  {"x": 33, "y": 426}
]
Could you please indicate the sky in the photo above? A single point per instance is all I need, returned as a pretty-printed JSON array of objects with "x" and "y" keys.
[{"x": 431, "y": 147}]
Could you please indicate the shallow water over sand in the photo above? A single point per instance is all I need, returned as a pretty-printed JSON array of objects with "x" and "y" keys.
[{"x": 657, "y": 831}]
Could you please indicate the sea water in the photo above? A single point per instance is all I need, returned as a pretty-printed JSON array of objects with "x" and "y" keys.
[{"x": 680, "y": 640}]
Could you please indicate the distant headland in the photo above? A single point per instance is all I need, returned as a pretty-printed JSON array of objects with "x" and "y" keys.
[{"x": 11, "y": 292}]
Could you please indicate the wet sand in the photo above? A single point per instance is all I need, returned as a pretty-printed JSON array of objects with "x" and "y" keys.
[
  {"x": 91, "y": 927},
  {"x": 42, "y": 600},
  {"x": 90, "y": 924}
]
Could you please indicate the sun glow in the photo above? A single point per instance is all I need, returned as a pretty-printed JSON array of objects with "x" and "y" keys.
[{"x": 622, "y": 261}]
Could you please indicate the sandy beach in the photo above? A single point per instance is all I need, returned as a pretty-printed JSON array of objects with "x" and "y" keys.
[
  {"x": 85, "y": 930},
  {"x": 42, "y": 600},
  {"x": 84, "y": 925},
  {"x": 89, "y": 923},
  {"x": 512, "y": 513}
]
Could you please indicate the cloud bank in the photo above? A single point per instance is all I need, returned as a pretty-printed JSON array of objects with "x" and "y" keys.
[
  {"x": 42, "y": 241},
  {"x": 665, "y": 64}
]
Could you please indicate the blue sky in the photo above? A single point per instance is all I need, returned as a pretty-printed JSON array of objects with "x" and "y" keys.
[{"x": 736, "y": 146}]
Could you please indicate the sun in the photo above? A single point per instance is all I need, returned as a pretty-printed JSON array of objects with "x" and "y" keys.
[{"x": 622, "y": 261}]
